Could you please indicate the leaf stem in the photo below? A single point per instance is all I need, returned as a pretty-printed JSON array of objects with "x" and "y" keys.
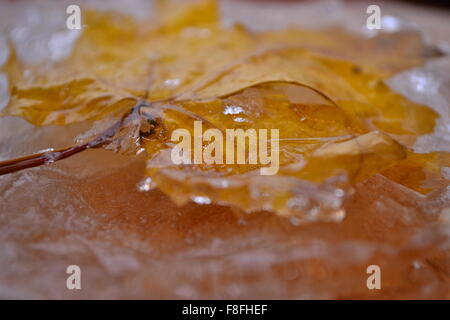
[{"x": 38, "y": 159}]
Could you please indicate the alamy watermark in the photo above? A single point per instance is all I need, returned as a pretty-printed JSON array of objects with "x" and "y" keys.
[
  {"x": 73, "y": 21},
  {"x": 73, "y": 281},
  {"x": 239, "y": 146},
  {"x": 374, "y": 280},
  {"x": 374, "y": 19}
]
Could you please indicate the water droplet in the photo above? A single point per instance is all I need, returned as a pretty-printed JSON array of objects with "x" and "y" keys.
[
  {"x": 233, "y": 110},
  {"x": 140, "y": 150},
  {"x": 172, "y": 82},
  {"x": 146, "y": 185},
  {"x": 51, "y": 157},
  {"x": 201, "y": 200}
]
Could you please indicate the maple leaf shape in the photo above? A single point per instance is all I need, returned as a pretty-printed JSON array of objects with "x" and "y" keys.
[{"x": 324, "y": 89}]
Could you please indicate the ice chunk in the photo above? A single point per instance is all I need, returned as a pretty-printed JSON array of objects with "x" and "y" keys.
[
  {"x": 4, "y": 91},
  {"x": 4, "y": 50}
]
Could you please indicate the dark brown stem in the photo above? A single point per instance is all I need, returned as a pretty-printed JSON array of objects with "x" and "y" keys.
[
  {"x": 35, "y": 160},
  {"x": 38, "y": 159}
]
